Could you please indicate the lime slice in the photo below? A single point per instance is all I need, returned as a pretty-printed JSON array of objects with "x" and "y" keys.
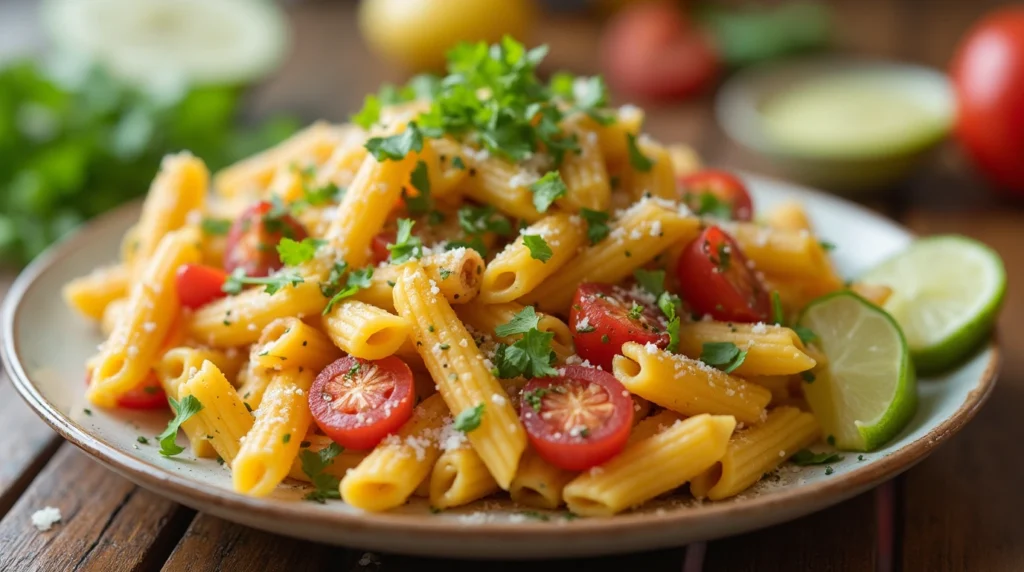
[
  {"x": 166, "y": 41},
  {"x": 866, "y": 392},
  {"x": 947, "y": 291}
]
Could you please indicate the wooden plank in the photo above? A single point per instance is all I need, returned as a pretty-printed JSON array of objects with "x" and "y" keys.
[
  {"x": 25, "y": 445},
  {"x": 839, "y": 538},
  {"x": 670, "y": 560},
  {"x": 214, "y": 544},
  {"x": 107, "y": 522},
  {"x": 959, "y": 504}
]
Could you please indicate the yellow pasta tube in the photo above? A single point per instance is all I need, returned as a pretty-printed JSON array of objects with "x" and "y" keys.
[
  {"x": 659, "y": 180},
  {"x": 439, "y": 156},
  {"x": 785, "y": 253},
  {"x": 777, "y": 384},
  {"x": 253, "y": 382},
  {"x": 685, "y": 160},
  {"x": 514, "y": 272},
  {"x": 643, "y": 231},
  {"x": 341, "y": 464},
  {"x": 291, "y": 343},
  {"x": 112, "y": 314},
  {"x": 223, "y": 417},
  {"x": 771, "y": 350},
  {"x": 585, "y": 175},
  {"x": 128, "y": 354},
  {"x": 91, "y": 294},
  {"x": 686, "y": 385},
  {"x": 456, "y": 274},
  {"x": 611, "y": 138},
  {"x": 463, "y": 379},
  {"x": 387, "y": 477},
  {"x": 176, "y": 196},
  {"x": 238, "y": 320},
  {"x": 486, "y": 318},
  {"x": 460, "y": 477},
  {"x": 789, "y": 216},
  {"x": 341, "y": 167},
  {"x": 538, "y": 483},
  {"x": 493, "y": 181},
  {"x": 365, "y": 331},
  {"x": 270, "y": 447},
  {"x": 651, "y": 466},
  {"x": 755, "y": 451}
]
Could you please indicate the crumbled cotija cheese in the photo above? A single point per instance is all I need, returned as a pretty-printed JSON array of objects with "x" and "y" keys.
[{"x": 45, "y": 518}]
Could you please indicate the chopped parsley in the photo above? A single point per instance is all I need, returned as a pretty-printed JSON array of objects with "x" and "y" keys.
[
  {"x": 535, "y": 397},
  {"x": 826, "y": 245},
  {"x": 808, "y": 377},
  {"x": 420, "y": 203},
  {"x": 458, "y": 164},
  {"x": 549, "y": 188},
  {"x": 445, "y": 273},
  {"x": 356, "y": 281},
  {"x": 539, "y": 249},
  {"x": 315, "y": 196},
  {"x": 396, "y": 147},
  {"x": 635, "y": 312},
  {"x": 530, "y": 356},
  {"x": 724, "y": 257},
  {"x": 651, "y": 280},
  {"x": 805, "y": 334},
  {"x": 215, "y": 226},
  {"x": 671, "y": 306},
  {"x": 723, "y": 355},
  {"x": 233, "y": 285},
  {"x": 469, "y": 419},
  {"x": 597, "y": 224},
  {"x": 333, "y": 283},
  {"x": 804, "y": 458},
  {"x": 406, "y": 246},
  {"x": 183, "y": 411},
  {"x": 637, "y": 159},
  {"x": 778, "y": 315},
  {"x": 708, "y": 204},
  {"x": 475, "y": 222},
  {"x": 286, "y": 438},
  {"x": 142, "y": 440},
  {"x": 294, "y": 253},
  {"x": 313, "y": 465},
  {"x": 524, "y": 321}
]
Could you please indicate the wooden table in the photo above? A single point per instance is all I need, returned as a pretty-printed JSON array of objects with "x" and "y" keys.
[{"x": 958, "y": 510}]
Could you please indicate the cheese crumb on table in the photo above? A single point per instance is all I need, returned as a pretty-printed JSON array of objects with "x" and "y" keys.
[{"x": 45, "y": 518}]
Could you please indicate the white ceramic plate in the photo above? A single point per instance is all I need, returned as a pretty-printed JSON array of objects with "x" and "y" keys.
[{"x": 45, "y": 344}]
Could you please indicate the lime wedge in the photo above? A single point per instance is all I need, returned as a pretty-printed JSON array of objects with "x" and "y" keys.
[
  {"x": 947, "y": 291},
  {"x": 866, "y": 392}
]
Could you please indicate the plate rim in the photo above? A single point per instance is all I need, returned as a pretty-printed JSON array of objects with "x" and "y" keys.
[{"x": 167, "y": 483}]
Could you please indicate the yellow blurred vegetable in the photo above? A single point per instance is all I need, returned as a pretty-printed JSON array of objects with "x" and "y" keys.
[{"x": 417, "y": 33}]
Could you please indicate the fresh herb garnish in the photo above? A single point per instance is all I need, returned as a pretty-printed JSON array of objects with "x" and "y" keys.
[
  {"x": 469, "y": 419},
  {"x": 637, "y": 159},
  {"x": 545, "y": 191},
  {"x": 355, "y": 282},
  {"x": 539, "y": 249},
  {"x": 807, "y": 376},
  {"x": 524, "y": 321},
  {"x": 651, "y": 280},
  {"x": 778, "y": 315},
  {"x": 804, "y": 457},
  {"x": 233, "y": 285},
  {"x": 723, "y": 355},
  {"x": 597, "y": 224},
  {"x": 708, "y": 204},
  {"x": 635, "y": 312},
  {"x": 406, "y": 246},
  {"x": 671, "y": 306},
  {"x": 805, "y": 334},
  {"x": 215, "y": 226},
  {"x": 313, "y": 465},
  {"x": 396, "y": 147},
  {"x": 420, "y": 203},
  {"x": 294, "y": 253},
  {"x": 183, "y": 410}
]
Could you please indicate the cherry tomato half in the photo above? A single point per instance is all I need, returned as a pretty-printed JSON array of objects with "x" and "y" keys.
[
  {"x": 148, "y": 395},
  {"x": 714, "y": 279},
  {"x": 379, "y": 246},
  {"x": 711, "y": 192},
  {"x": 603, "y": 317},
  {"x": 358, "y": 402},
  {"x": 198, "y": 284},
  {"x": 577, "y": 420},
  {"x": 252, "y": 241}
]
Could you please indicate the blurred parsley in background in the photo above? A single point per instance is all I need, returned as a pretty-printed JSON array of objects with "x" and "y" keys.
[{"x": 73, "y": 145}]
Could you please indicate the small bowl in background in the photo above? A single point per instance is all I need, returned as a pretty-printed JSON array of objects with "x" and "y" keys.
[{"x": 814, "y": 119}]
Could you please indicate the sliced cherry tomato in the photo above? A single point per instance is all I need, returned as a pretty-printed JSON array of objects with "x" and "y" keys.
[
  {"x": 198, "y": 284},
  {"x": 358, "y": 402},
  {"x": 717, "y": 193},
  {"x": 577, "y": 420},
  {"x": 148, "y": 395},
  {"x": 715, "y": 279},
  {"x": 252, "y": 241},
  {"x": 379, "y": 246},
  {"x": 603, "y": 317}
]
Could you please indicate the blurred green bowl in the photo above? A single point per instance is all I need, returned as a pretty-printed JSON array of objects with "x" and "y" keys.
[{"x": 912, "y": 108}]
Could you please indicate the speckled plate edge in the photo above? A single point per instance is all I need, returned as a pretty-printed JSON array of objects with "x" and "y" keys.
[{"x": 415, "y": 534}]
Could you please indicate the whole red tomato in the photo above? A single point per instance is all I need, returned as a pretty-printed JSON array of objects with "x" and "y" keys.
[
  {"x": 988, "y": 77},
  {"x": 651, "y": 51}
]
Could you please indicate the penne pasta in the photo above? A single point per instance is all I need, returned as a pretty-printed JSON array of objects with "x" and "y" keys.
[
  {"x": 514, "y": 272},
  {"x": 223, "y": 418},
  {"x": 459, "y": 477},
  {"x": 770, "y": 350},
  {"x": 365, "y": 331},
  {"x": 92, "y": 293}
]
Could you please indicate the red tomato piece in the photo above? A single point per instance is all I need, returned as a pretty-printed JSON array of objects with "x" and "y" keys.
[
  {"x": 252, "y": 241},
  {"x": 650, "y": 50},
  {"x": 603, "y": 317},
  {"x": 715, "y": 279},
  {"x": 148, "y": 395},
  {"x": 577, "y": 420},
  {"x": 724, "y": 189},
  {"x": 358, "y": 402},
  {"x": 988, "y": 78},
  {"x": 198, "y": 284},
  {"x": 379, "y": 246}
]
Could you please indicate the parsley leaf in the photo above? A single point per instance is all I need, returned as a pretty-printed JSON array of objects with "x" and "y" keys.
[
  {"x": 314, "y": 464},
  {"x": 535, "y": 397},
  {"x": 826, "y": 245},
  {"x": 597, "y": 224},
  {"x": 233, "y": 285},
  {"x": 356, "y": 281},
  {"x": 469, "y": 419},
  {"x": 529, "y": 357},
  {"x": 314, "y": 196},
  {"x": 419, "y": 204},
  {"x": 330, "y": 287},
  {"x": 778, "y": 316},
  {"x": 215, "y": 226},
  {"x": 635, "y": 312},
  {"x": 804, "y": 458},
  {"x": 478, "y": 220},
  {"x": 524, "y": 321},
  {"x": 546, "y": 190},
  {"x": 724, "y": 259},
  {"x": 396, "y": 147},
  {"x": 183, "y": 410},
  {"x": 458, "y": 164},
  {"x": 671, "y": 306},
  {"x": 406, "y": 246},
  {"x": 710, "y": 205},
  {"x": 539, "y": 249},
  {"x": 805, "y": 334},
  {"x": 651, "y": 280},
  {"x": 723, "y": 355},
  {"x": 369, "y": 114},
  {"x": 293, "y": 253},
  {"x": 637, "y": 159}
]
